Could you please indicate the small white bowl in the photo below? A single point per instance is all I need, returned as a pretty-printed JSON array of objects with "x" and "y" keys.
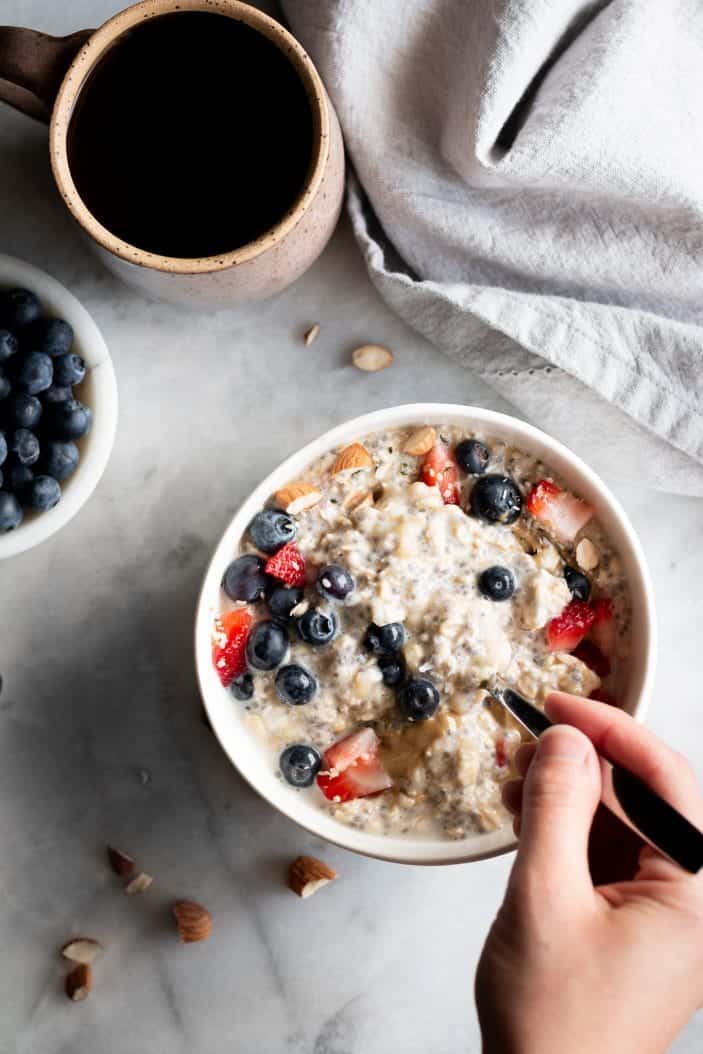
[
  {"x": 226, "y": 717},
  {"x": 98, "y": 391}
]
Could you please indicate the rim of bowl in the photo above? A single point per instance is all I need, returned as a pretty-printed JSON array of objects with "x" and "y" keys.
[
  {"x": 240, "y": 749},
  {"x": 97, "y": 445},
  {"x": 83, "y": 64}
]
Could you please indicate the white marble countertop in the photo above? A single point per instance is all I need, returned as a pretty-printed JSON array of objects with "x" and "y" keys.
[{"x": 101, "y": 739}]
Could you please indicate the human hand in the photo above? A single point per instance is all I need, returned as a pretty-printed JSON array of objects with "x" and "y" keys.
[{"x": 573, "y": 967}]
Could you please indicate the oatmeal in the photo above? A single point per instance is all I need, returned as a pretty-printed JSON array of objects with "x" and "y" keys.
[{"x": 375, "y": 600}]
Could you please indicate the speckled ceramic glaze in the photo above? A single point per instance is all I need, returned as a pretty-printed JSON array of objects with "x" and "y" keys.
[{"x": 256, "y": 270}]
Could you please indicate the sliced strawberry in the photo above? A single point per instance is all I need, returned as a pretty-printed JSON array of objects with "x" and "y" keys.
[
  {"x": 501, "y": 753},
  {"x": 604, "y": 628},
  {"x": 229, "y": 643},
  {"x": 287, "y": 565},
  {"x": 593, "y": 657},
  {"x": 601, "y": 696},
  {"x": 558, "y": 509},
  {"x": 439, "y": 469},
  {"x": 354, "y": 768},
  {"x": 568, "y": 629}
]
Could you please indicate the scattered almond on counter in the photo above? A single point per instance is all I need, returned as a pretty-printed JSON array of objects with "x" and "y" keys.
[
  {"x": 307, "y": 874},
  {"x": 139, "y": 883},
  {"x": 296, "y": 497},
  {"x": 587, "y": 556},
  {"x": 372, "y": 357},
  {"x": 352, "y": 457},
  {"x": 420, "y": 442},
  {"x": 82, "y": 950},
  {"x": 121, "y": 863},
  {"x": 193, "y": 920},
  {"x": 311, "y": 335},
  {"x": 79, "y": 982}
]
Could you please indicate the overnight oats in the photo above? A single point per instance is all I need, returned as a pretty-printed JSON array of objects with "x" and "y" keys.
[{"x": 374, "y": 600}]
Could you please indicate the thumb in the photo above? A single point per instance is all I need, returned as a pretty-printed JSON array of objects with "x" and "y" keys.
[{"x": 560, "y": 796}]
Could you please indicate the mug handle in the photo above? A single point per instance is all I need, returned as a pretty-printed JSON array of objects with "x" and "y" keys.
[{"x": 32, "y": 66}]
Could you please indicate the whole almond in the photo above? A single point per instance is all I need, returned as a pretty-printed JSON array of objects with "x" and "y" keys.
[
  {"x": 372, "y": 357},
  {"x": 420, "y": 442},
  {"x": 79, "y": 982},
  {"x": 82, "y": 950},
  {"x": 296, "y": 497},
  {"x": 193, "y": 920},
  {"x": 139, "y": 883},
  {"x": 311, "y": 334},
  {"x": 587, "y": 556},
  {"x": 121, "y": 863},
  {"x": 307, "y": 874},
  {"x": 352, "y": 457}
]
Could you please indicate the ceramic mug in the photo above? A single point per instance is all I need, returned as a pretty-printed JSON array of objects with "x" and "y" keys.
[{"x": 43, "y": 77}]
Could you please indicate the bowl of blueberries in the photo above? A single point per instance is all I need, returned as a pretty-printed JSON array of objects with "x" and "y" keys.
[{"x": 58, "y": 406}]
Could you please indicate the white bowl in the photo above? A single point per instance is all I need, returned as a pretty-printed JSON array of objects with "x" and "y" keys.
[
  {"x": 98, "y": 391},
  {"x": 226, "y": 717}
]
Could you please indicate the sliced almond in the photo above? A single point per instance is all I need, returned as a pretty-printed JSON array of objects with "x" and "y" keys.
[
  {"x": 193, "y": 920},
  {"x": 121, "y": 863},
  {"x": 139, "y": 883},
  {"x": 79, "y": 982},
  {"x": 372, "y": 357},
  {"x": 420, "y": 442},
  {"x": 587, "y": 556},
  {"x": 82, "y": 950},
  {"x": 296, "y": 497},
  {"x": 307, "y": 874},
  {"x": 311, "y": 334},
  {"x": 356, "y": 499},
  {"x": 353, "y": 456}
]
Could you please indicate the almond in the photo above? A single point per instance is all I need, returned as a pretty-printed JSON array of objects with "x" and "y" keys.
[
  {"x": 356, "y": 499},
  {"x": 82, "y": 950},
  {"x": 307, "y": 874},
  {"x": 139, "y": 883},
  {"x": 353, "y": 456},
  {"x": 311, "y": 334},
  {"x": 79, "y": 982},
  {"x": 372, "y": 357},
  {"x": 193, "y": 920},
  {"x": 587, "y": 556},
  {"x": 296, "y": 497},
  {"x": 420, "y": 442},
  {"x": 120, "y": 863}
]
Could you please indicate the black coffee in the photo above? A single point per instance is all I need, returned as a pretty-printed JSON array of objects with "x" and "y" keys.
[{"x": 192, "y": 136}]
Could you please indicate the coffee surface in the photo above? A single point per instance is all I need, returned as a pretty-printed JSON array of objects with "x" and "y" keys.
[{"x": 192, "y": 136}]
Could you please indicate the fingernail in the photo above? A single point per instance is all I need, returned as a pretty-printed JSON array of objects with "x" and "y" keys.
[{"x": 563, "y": 742}]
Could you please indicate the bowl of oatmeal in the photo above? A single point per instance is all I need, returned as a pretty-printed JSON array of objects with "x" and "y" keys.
[{"x": 371, "y": 588}]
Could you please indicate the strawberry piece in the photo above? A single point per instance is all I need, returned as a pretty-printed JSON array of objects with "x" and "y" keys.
[
  {"x": 439, "y": 469},
  {"x": 568, "y": 629},
  {"x": 354, "y": 768},
  {"x": 229, "y": 644},
  {"x": 501, "y": 753},
  {"x": 601, "y": 696},
  {"x": 287, "y": 565},
  {"x": 558, "y": 509},
  {"x": 593, "y": 657},
  {"x": 604, "y": 627}
]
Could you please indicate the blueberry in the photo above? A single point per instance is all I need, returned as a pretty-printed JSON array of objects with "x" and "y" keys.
[
  {"x": 5, "y": 386},
  {"x": 244, "y": 579},
  {"x": 70, "y": 419},
  {"x": 42, "y": 493},
  {"x": 579, "y": 586},
  {"x": 10, "y": 512},
  {"x": 68, "y": 370},
  {"x": 496, "y": 583},
  {"x": 300, "y": 764},
  {"x": 56, "y": 394},
  {"x": 3, "y": 448},
  {"x": 24, "y": 445},
  {"x": 335, "y": 582},
  {"x": 18, "y": 476},
  {"x": 295, "y": 685},
  {"x": 317, "y": 627},
  {"x": 384, "y": 640},
  {"x": 19, "y": 308},
  {"x": 271, "y": 529},
  {"x": 282, "y": 600},
  {"x": 267, "y": 645},
  {"x": 242, "y": 687},
  {"x": 8, "y": 344},
  {"x": 52, "y": 335},
  {"x": 59, "y": 458},
  {"x": 392, "y": 669},
  {"x": 473, "y": 456},
  {"x": 23, "y": 411},
  {"x": 418, "y": 699},
  {"x": 496, "y": 498},
  {"x": 34, "y": 373}
]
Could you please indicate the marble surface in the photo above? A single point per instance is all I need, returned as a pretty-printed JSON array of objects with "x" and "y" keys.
[{"x": 101, "y": 739}]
